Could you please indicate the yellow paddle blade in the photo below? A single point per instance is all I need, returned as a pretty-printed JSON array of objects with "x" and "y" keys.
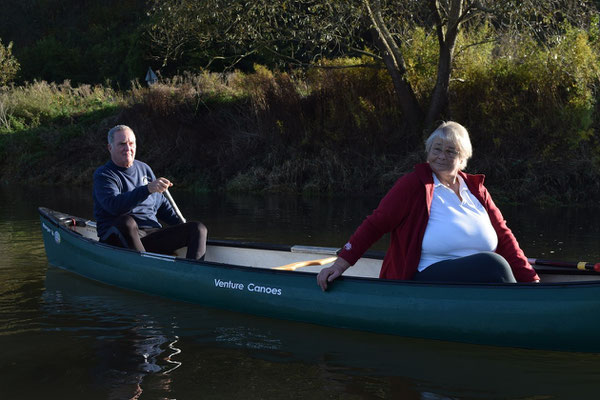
[{"x": 300, "y": 264}]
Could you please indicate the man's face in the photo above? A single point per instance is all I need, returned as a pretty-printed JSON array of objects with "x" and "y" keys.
[{"x": 122, "y": 148}]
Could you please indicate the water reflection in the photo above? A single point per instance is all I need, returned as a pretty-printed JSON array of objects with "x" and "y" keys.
[
  {"x": 562, "y": 233},
  {"x": 281, "y": 219},
  {"x": 127, "y": 342},
  {"x": 138, "y": 337}
]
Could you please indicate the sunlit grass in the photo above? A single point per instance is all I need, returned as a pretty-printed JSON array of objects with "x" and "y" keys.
[{"x": 41, "y": 103}]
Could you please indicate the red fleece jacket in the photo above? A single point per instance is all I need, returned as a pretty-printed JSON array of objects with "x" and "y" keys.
[{"x": 404, "y": 211}]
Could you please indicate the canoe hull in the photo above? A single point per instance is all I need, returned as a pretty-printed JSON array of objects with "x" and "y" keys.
[{"x": 546, "y": 316}]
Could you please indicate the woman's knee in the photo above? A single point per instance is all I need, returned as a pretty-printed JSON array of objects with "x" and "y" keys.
[
  {"x": 496, "y": 266},
  {"x": 490, "y": 257},
  {"x": 481, "y": 267}
]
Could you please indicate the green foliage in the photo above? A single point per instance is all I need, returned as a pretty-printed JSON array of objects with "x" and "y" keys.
[
  {"x": 9, "y": 66},
  {"x": 335, "y": 127},
  {"x": 531, "y": 98},
  {"x": 350, "y": 99},
  {"x": 421, "y": 57},
  {"x": 43, "y": 104},
  {"x": 531, "y": 108},
  {"x": 83, "y": 42},
  {"x": 532, "y": 111},
  {"x": 48, "y": 131}
]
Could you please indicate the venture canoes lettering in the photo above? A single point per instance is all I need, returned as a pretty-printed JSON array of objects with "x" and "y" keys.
[
  {"x": 251, "y": 287},
  {"x": 229, "y": 285}
]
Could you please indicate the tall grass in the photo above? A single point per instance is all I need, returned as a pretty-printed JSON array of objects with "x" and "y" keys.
[
  {"x": 40, "y": 103},
  {"x": 45, "y": 130}
]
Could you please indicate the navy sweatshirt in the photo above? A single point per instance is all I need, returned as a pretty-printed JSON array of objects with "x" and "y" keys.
[{"x": 118, "y": 191}]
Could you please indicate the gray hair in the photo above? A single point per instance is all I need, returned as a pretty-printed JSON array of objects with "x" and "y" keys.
[
  {"x": 456, "y": 134},
  {"x": 115, "y": 129}
]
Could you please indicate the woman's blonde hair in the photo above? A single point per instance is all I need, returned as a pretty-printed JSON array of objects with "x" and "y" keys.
[{"x": 456, "y": 134}]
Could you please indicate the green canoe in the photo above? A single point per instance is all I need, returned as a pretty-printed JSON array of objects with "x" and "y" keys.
[{"x": 279, "y": 281}]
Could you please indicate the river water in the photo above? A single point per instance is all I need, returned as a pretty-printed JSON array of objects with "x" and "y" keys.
[{"x": 64, "y": 337}]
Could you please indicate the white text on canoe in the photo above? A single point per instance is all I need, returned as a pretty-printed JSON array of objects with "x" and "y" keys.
[{"x": 251, "y": 287}]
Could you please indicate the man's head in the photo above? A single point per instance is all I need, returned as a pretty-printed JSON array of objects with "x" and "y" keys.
[{"x": 121, "y": 145}]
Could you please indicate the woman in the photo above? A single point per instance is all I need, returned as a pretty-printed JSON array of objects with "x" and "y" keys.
[{"x": 444, "y": 225}]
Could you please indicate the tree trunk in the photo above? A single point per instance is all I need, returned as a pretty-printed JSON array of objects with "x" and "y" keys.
[
  {"x": 447, "y": 34},
  {"x": 438, "y": 105},
  {"x": 394, "y": 62},
  {"x": 411, "y": 110}
]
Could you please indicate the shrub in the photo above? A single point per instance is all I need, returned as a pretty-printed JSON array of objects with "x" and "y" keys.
[
  {"x": 9, "y": 66},
  {"x": 533, "y": 101}
]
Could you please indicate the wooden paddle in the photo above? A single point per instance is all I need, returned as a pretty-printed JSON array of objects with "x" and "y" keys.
[
  {"x": 581, "y": 265},
  {"x": 300, "y": 264},
  {"x": 170, "y": 198}
]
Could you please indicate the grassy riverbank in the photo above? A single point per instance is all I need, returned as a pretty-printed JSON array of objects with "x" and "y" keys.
[{"x": 332, "y": 130}]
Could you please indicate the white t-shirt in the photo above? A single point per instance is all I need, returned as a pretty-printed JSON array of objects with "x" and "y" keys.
[{"x": 456, "y": 228}]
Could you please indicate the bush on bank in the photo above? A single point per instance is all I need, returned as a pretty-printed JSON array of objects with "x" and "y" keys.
[{"x": 531, "y": 111}]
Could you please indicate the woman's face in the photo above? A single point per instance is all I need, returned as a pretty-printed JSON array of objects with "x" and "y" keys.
[{"x": 444, "y": 157}]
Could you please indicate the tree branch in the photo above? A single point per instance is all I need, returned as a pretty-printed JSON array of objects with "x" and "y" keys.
[
  {"x": 386, "y": 38},
  {"x": 433, "y": 4}
]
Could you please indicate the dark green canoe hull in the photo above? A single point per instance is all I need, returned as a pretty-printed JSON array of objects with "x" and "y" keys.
[{"x": 556, "y": 316}]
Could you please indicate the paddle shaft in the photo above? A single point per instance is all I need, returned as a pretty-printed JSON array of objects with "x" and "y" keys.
[
  {"x": 170, "y": 198},
  {"x": 581, "y": 265}
]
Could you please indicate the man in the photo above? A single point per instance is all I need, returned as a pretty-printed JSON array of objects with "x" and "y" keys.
[{"x": 128, "y": 201}]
